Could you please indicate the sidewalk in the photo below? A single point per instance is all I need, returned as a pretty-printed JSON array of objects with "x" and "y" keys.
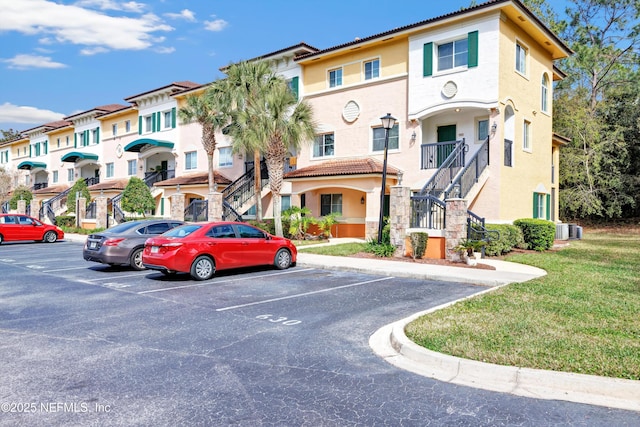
[{"x": 391, "y": 343}]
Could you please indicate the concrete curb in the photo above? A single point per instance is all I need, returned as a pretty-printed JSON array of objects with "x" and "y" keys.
[{"x": 391, "y": 343}]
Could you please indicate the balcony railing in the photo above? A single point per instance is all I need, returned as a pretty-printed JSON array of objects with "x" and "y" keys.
[{"x": 427, "y": 212}]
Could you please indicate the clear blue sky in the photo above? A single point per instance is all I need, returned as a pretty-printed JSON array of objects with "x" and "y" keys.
[{"x": 60, "y": 57}]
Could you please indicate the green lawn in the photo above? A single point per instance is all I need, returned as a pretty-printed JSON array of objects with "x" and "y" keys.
[{"x": 583, "y": 317}]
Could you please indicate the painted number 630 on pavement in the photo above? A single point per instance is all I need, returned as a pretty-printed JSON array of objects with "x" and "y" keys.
[{"x": 282, "y": 320}]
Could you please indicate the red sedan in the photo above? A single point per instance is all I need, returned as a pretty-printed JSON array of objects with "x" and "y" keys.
[
  {"x": 15, "y": 227},
  {"x": 202, "y": 248}
]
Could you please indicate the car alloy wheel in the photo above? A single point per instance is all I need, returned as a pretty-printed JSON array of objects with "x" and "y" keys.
[
  {"x": 283, "y": 259},
  {"x": 50, "y": 237},
  {"x": 203, "y": 268},
  {"x": 136, "y": 259}
]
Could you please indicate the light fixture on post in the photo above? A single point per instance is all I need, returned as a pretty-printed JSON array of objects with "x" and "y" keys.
[
  {"x": 494, "y": 127},
  {"x": 388, "y": 122}
]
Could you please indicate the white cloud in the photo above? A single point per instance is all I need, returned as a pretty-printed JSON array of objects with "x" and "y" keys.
[
  {"x": 215, "y": 25},
  {"x": 88, "y": 51},
  {"x": 185, "y": 14},
  {"x": 72, "y": 24},
  {"x": 24, "y": 61},
  {"x": 130, "y": 6},
  {"x": 10, "y": 113},
  {"x": 165, "y": 49}
]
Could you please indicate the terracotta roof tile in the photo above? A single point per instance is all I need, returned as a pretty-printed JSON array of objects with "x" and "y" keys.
[
  {"x": 342, "y": 167},
  {"x": 54, "y": 189},
  {"x": 194, "y": 179},
  {"x": 115, "y": 184}
]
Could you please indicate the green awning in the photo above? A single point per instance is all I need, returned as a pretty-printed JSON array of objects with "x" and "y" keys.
[
  {"x": 139, "y": 144},
  {"x": 74, "y": 156},
  {"x": 28, "y": 165}
]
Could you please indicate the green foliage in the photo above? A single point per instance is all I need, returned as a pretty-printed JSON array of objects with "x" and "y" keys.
[
  {"x": 510, "y": 237},
  {"x": 65, "y": 221},
  {"x": 21, "y": 192},
  {"x": 299, "y": 221},
  {"x": 326, "y": 222},
  {"x": 265, "y": 224},
  {"x": 79, "y": 187},
  {"x": 419, "y": 242},
  {"x": 538, "y": 233},
  {"x": 384, "y": 249},
  {"x": 77, "y": 230},
  {"x": 137, "y": 197}
]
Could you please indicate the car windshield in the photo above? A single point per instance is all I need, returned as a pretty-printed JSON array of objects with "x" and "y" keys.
[{"x": 182, "y": 231}]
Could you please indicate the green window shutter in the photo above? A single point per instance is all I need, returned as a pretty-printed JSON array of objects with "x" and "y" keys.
[
  {"x": 97, "y": 135},
  {"x": 535, "y": 205},
  {"x": 173, "y": 118},
  {"x": 472, "y": 52},
  {"x": 153, "y": 122},
  {"x": 86, "y": 137},
  {"x": 158, "y": 118},
  {"x": 162, "y": 206},
  {"x": 75, "y": 140},
  {"x": 427, "y": 60},
  {"x": 46, "y": 148},
  {"x": 548, "y": 206},
  {"x": 294, "y": 86},
  {"x": 30, "y": 150},
  {"x": 139, "y": 125}
]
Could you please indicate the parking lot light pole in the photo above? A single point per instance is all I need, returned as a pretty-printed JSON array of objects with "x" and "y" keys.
[{"x": 388, "y": 122}]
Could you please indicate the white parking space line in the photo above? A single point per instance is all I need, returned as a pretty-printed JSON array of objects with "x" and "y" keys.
[
  {"x": 116, "y": 277},
  {"x": 42, "y": 261},
  {"x": 215, "y": 282},
  {"x": 65, "y": 269},
  {"x": 303, "y": 294}
]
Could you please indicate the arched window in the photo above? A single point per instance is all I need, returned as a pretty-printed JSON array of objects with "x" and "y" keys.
[{"x": 544, "y": 106}]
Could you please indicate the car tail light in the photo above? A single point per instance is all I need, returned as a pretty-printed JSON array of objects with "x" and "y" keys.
[{"x": 112, "y": 242}]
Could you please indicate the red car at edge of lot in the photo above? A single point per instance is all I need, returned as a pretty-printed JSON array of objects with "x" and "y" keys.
[
  {"x": 17, "y": 227},
  {"x": 203, "y": 248}
]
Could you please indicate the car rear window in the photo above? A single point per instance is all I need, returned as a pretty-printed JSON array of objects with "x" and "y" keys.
[
  {"x": 182, "y": 231},
  {"x": 121, "y": 228}
]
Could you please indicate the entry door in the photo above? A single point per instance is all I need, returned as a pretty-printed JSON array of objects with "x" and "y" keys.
[{"x": 446, "y": 134}]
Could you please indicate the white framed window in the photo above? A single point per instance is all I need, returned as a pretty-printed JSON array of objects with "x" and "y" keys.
[
  {"x": 379, "y": 137},
  {"x": 335, "y": 77},
  {"x": 285, "y": 203},
  {"x": 483, "y": 129},
  {"x": 372, "y": 69},
  {"x": 148, "y": 124},
  {"x": 330, "y": 203},
  {"x": 54, "y": 178},
  {"x": 95, "y": 135},
  {"x": 526, "y": 136},
  {"x": 132, "y": 165},
  {"x": 544, "y": 93},
  {"x": 114, "y": 129},
  {"x": 67, "y": 141},
  {"x": 70, "y": 174},
  {"x": 324, "y": 145},
  {"x": 541, "y": 205},
  {"x": 4, "y": 156},
  {"x": 167, "y": 119},
  {"x": 127, "y": 126},
  {"x": 110, "y": 170},
  {"x": 521, "y": 58},
  {"x": 225, "y": 157},
  {"x": 191, "y": 160},
  {"x": 58, "y": 141},
  {"x": 453, "y": 54}
]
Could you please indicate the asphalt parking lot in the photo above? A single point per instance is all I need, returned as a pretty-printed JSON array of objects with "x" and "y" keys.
[{"x": 86, "y": 344}]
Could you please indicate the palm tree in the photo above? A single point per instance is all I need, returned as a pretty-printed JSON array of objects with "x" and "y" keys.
[
  {"x": 285, "y": 124},
  {"x": 244, "y": 91},
  {"x": 206, "y": 109}
]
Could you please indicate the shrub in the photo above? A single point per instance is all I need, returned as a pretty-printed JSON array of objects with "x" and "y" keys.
[
  {"x": 383, "y": 249},
  {"x": 137, "y": 197},
  {"x": 325, "y": 223},
  {"x": 66, "y": 221},
  {"x": 80, "y": 186},
  {"x": 419, "y": 242},
  {"x": 510, "y": 237},
  {"x": 267, "y": 225},
  {"x": 538, "y": 233},
  {"x": 21, "y": 192}
]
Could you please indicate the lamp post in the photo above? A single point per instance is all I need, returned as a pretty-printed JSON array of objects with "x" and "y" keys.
[{"x": 388, "y": 122}]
